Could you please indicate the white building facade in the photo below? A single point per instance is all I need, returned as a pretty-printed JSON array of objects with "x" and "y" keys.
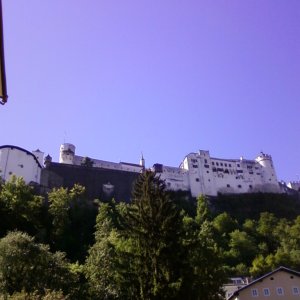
[
  {"x": 67, "y": 156},
  {"x": 202, "y": 174},
  {"x": 21, "y": 163},
  {"x": 175, "y": 178},
  {"x": 198, "y": 173}
]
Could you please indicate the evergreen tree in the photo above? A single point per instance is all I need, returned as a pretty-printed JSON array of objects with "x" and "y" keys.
[{"x": 154, "y": 225}]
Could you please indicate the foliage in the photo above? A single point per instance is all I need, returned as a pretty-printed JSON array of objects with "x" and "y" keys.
[
  {"x": 48, "y": 295},
  {"x": 73, "y": 218},
  {"x": 150, "y": 250},
  {"x": 159, "y": 246},
  {"x": 154, "y": 225},
  {"x": 87, "y": 162},
  {"x": 29, "y": 267},
  {"x": 105, "y": 265},
  {"x": 203, "y": 274},
  {"x": 250, "y": 206},
  {"x": 20, "y": 208}
]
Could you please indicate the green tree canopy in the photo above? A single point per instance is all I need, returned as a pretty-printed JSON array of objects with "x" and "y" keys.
[
  {"x": 154, "y": 225},
  {"x": 28, "y": 266},
  {"x": 73, "y": 219},
  {"x": 20, "y": 208}
]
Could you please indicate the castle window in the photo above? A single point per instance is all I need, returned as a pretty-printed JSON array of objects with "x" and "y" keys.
[
  {"x": 267, "y": 292},
  {"x": 238, "y": 165},
  {"x": 217, "y": 163},
  {"x": 214, "y": 169},
  {"x": 213, "y": 163},
  {"x": 250, "y": 186},
  {"x": 206, "y": 166},
  {"x": 229, "y": 165},
  {"x": 205, "y": 160},
  {"x": 207, "y": 172},
  {"x": 225, "y": 165},
  {"x": 226, "y": 171},
  {"x": 228, "y": 185},
  {"x": 221, "y": 164},
  {"x": 197, "y": 179},
  {"x": 239, "y": 186},
  {"x": 195, "y": 166}
]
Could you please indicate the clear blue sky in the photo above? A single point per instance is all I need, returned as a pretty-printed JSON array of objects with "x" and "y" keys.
[{"x": 117, "y": 78}]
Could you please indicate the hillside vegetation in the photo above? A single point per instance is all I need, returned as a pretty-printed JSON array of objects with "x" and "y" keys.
[{"x": 161, "y": 245}]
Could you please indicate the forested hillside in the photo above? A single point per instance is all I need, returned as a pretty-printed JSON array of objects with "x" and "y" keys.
[{"x": 160, "y": 246}]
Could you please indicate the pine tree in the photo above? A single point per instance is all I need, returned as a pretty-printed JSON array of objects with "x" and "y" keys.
[{"x": 154, "y": 224}]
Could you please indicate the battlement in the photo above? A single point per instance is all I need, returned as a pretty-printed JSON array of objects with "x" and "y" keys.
[{"x": 263, "y": 155}]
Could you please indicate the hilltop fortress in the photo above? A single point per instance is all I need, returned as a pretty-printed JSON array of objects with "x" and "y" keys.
[
  {"x": 202, "y": 174},
  {"x": 198, "y": 173}
]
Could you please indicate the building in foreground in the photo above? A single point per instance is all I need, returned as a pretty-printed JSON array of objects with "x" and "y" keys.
[{"x": 283, "y": 283}]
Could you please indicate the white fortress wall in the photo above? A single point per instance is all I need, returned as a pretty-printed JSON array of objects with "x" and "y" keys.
[
  {"x": 200, "y": 173},
  {"x": 67, "y": 156},
  {"x": 19, "y": 162},
  {"x": 210, "y": 176},
  {"x": 175, "y": 178}
]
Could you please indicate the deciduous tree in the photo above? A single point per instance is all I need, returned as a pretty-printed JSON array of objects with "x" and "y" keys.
[{"x": 28, "y": 266}]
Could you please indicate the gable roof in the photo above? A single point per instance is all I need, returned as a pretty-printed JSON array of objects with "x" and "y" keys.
[{"x": 281, "y": 268}]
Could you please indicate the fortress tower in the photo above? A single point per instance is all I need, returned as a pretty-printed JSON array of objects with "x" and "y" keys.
[
  {"x": 142, "y": 162},
  {"x": 268, "y": 173},
  {"x": 67, "y": 153}
]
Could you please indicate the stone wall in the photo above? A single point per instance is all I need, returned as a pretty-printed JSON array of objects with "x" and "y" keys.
[{"x": 100, "y": 183}]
